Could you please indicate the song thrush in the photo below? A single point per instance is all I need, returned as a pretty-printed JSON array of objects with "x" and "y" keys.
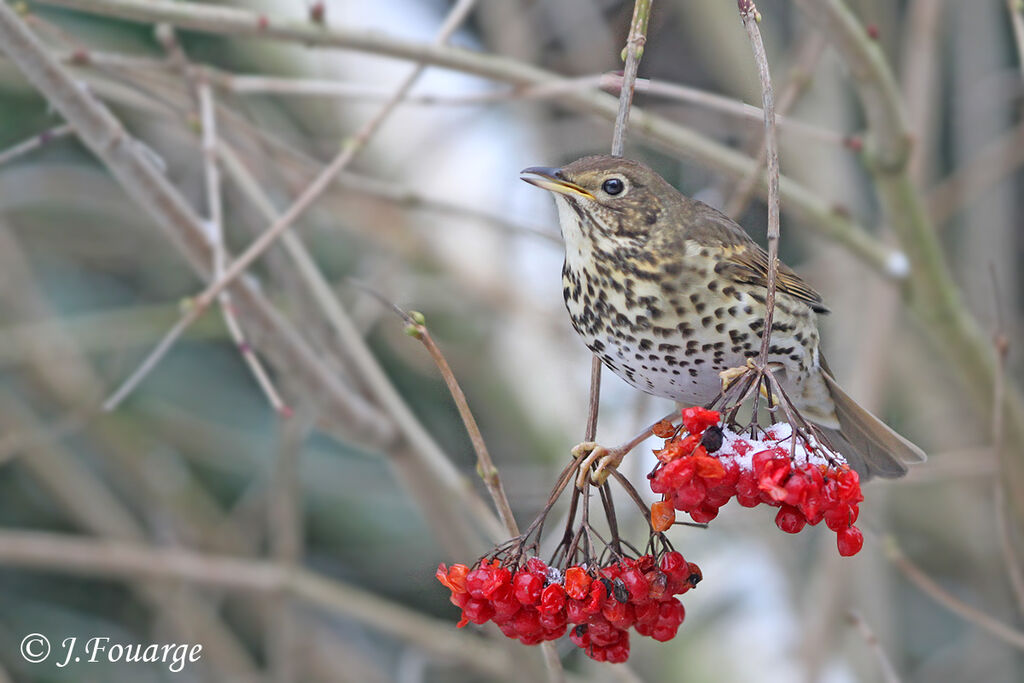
[{"x": 669, "y": 292}]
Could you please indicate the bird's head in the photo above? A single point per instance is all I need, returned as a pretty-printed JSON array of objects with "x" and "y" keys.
[{"x": 605, "y": 198}]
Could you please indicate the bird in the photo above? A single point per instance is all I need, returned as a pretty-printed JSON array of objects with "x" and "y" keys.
[{"x": 669, "y": 293}]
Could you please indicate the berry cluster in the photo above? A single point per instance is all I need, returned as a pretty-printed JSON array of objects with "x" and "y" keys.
[
  {"x": 806, "y": 487},
  {"x": 536, "y": 602}
]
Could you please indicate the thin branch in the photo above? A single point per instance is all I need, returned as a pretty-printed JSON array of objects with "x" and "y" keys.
[
  {"x": 799, "y": 80},
  {"x": 365, "y": 367},
  {"x": 1016, "y": 10},
  {"x": 633, "y": 52},
  {"x": 485, "y": 465},
  {"x": 940, "y": 595},
  {"x": 309, "y": 195},
  {"x": 211, "y": 173},
  {"x": 817, "y": 213},
  {"x": 996, "y": 161},
  {"x": 932, "y": 293},
  {"x": 1001, "y": 344},
  {"x": 132, "y": 166},
  {"x": 886, "y": 669},
  {"x": 750, "y": 16},
  {"x": 34, "y": 143},
  {"x": 130, "y": 561}
]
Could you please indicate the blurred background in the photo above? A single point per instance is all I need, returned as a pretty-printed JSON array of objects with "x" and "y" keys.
[{"x": 292, "y": 526}]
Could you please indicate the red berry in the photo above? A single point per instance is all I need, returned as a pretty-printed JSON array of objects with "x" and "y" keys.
[
  {"x": 477, "y": 611},
  {"x": 577, "y": 583},
  {"x": 636, "y": 584},
  {"x": 504, "y": 602},
  {"x": 704, "y": 514},
  {"x": 690, "y": 495},
  {"x": 697, "y": 419},
  {"x": 552, "y": 599},
  {"x": 598, "y": 596},
  {"x": 527, "y": 587},
  {"x": 789, "y": 519},
  {"x": 576, "y": 611},
  {"x": 537, "y": 566},
  {"x": 618, "y": 653},
  {"x": 658, "y": 582},
  {"x": 527, "y": 622},
  {"x": 850, "y": 541},
  {"x": 554, "y": 621},
  {"x": 663, "y": 515},
  {"x": 580, "y": 636},
  {"x": 483, "y": 581},
  {"x": 673, "y": 564},
  {"x": 709, "y": 469},
  {"x": 454, "y": 579},
  {"x": 841, "y": 516}
]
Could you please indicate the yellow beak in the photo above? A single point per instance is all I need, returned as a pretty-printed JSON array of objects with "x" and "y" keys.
[{"x": 551, "y": 179}]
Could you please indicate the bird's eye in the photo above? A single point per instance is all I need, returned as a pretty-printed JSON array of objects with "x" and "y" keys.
[{"x": 613, "y": 186}]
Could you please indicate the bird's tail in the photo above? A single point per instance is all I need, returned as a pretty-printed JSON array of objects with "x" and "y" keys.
[{"x": 870, "y": 446}]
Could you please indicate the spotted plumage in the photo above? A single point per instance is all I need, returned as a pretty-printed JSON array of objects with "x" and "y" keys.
[{"x": 669, "y": 292}]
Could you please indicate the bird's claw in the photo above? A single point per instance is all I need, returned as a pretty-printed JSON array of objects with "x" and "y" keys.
[{"x": 592, "y": 452}]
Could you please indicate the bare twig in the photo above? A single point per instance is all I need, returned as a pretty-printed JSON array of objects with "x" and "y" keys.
[
  {"x": 34, "y": 143},
  {"x": 633, "y": 52},
  {"x": 817, "y": 212},
  {"x": 485, "y": 465},
  {"x": 799, "y": 79},
  {"x": 309, "y": 195},
  {"x": 995, "y": 161},
  {"x": 215, "y": 217},
  {"x": 886, "y": 669},
  {"x": 940, "y": 595},
  {"x": 1016, "y": 10},
  {"x": 1001, "y": 344},
  {"x": 933, "y": 295},
  {"x": 132, "y": 561},
  {"x": 751, "y": 17},
  {"x": 132, "y": 166},
  {"x": 921, "y": 86}
]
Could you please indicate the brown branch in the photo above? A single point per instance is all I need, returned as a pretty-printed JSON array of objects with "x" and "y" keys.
[
  {"x": 932, "y": 293},
  {"x": 132, "y": 561},
  {"x": 34, "y": 143},
  {"x": 1001, "y": 345},
  {"x": 799, "y": 80},
  {"x": 1016, "y": 10},
  {"x": 751, "y": 17},
  {"x": 995, "y": 161},
  {"x": 131, "y": 165},
  {"x": 310, "y": 194},
  {"x": 940, "y": 595},
  {"x": 633, "y": 52},
  {"x": 818, "y": 213},
  {"x": 886, "y": 669},
  {"x": 485, "y": 465}
]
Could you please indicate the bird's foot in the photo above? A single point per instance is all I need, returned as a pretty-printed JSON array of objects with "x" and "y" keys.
[{"x": 606, "y": 460}]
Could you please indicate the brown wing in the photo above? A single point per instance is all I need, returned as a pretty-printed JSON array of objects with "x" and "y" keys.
[{"x": 744, "y": 261}]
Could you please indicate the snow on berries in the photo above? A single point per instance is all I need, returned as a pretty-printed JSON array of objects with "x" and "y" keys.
[
  {"x": 705, "y": 465},
  {"x": 596, "y": 606}
]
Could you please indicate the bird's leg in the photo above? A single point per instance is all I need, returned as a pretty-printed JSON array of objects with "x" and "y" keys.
[{"x": 607, "y": 459}]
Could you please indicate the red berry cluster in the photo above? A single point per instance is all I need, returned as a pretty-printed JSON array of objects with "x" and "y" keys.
[
  {"x": 537, "y": 603},
  {"x": 806, "y": 492}
]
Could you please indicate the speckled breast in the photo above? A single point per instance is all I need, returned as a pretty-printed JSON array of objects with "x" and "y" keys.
[{"x": 670, "y": 330}]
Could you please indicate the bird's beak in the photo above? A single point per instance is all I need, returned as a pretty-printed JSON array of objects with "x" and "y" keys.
[{"x": 552, "y": 179}]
